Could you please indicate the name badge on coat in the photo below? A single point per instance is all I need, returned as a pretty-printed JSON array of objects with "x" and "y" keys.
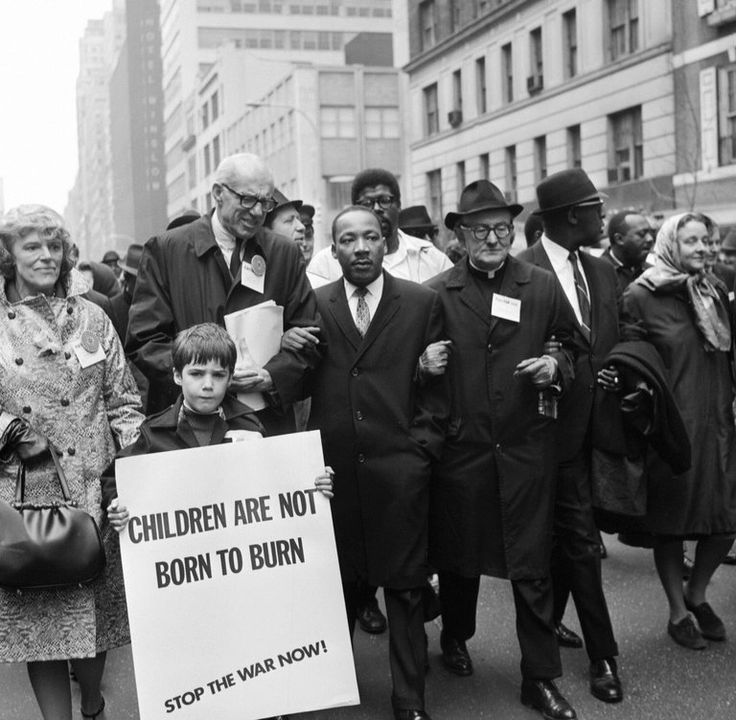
[
  {"x": 506, "y": 308},
  {"x": 253, "y": 274}
]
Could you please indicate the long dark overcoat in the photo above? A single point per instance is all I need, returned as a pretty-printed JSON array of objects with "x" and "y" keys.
[
  {"x": 183, "y": 280},
  {"x": 380, "y": 430},
  {"x": 493, "y": 491}
]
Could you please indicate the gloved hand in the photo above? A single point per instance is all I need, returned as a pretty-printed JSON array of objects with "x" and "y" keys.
[{"x": 27, "y": 444}]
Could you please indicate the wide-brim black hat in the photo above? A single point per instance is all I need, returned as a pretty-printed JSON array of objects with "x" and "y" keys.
[
  {"x": 480, "y": 195},
  {"x": 564, "y": 189},
  {"x": 132, "y": 259},
  {"x": 415, "y": 217}
]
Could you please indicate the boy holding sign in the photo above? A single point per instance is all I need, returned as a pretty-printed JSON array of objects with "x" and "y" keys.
[{"x": 204, "y": 414}]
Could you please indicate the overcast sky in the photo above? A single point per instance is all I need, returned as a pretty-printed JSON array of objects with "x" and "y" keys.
[{"x": 39, "y": 61}]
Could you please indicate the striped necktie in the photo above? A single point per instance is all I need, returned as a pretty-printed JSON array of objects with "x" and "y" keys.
[
  {"x": 582, "y": 293},
  {"x": 363, "y": 314}
]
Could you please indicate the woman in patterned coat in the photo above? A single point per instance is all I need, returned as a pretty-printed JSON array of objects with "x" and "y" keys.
[{"x": 64, "y": 382}]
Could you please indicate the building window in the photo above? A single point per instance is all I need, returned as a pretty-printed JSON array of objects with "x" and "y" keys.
[
  {"x": 454, "y": 15},
  {"x": 205, "y": 115},
  {"x": 337, "y": 122},
  {"x": 570, "y": 40},
  {"x": 626, "y": 155},
  {"x": 457, "y": 90},
  {"x": 215, "y": 106},
  {"x": 536, "y": 64},
  {"x": 540, "y": 158},
  {"x": 207, "y": 163},
  {"x": 434, "y": 193},
  {"x": 192, "y": 172},
  {"x": 485, "y": 167},
  {"x": 574, "y": 154},
  {"x": 216, "y": 151},
  {"x": 382, "y": 123},
  {"x": 431, "y": 110},
  {"x": 480, "y": 85},
  {"x": 428, "y": 23},
  {"x": 511, "y": 184},
  {"x": 623, "y": 27},
  {"x": 338, "y": 194},
  {"x": 507, "y": 73},
  {"x": 727, "y": 112},
  {"x": 460, "y": 177}
]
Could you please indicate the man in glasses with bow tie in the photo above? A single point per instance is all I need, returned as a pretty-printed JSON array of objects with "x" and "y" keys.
[{"x": 223, "y": 262}]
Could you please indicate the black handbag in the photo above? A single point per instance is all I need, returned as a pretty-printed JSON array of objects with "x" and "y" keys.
[{"x": 50, "y": 545}]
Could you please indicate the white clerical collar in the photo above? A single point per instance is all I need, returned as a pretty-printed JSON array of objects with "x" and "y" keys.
[
  {"x": 489, "y": 273},
  {"x": 374, "y": 288}
]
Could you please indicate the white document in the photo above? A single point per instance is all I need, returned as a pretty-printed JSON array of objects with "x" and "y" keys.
[
  {"x": 257, "y": 333},
  {"x": 232, "y": 582}
]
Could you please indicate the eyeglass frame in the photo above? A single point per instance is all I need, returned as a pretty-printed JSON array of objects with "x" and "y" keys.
[
  {"x": 379, "y": 199},
  {"x": 472, "y": 229},
  {"x": 267, "y": 204}
]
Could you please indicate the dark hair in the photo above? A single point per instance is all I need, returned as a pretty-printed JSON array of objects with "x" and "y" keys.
[
  {"x": 202, "y": 343},
  {"x": 372, "y": 177},
  {"x": 617, "y": 223},
  {"x": 697, "y": 217},
  {"x": 352, "y": 208},
  {"x": 532, "y": 226}
]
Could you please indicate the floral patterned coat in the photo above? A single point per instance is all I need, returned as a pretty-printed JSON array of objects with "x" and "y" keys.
[{"x": 88, "y": 413}]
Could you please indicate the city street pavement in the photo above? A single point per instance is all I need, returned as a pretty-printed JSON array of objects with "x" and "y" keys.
[{"x": 662, "y": 681}]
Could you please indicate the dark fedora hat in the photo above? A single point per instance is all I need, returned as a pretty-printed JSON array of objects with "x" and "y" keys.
[
  {"x": 281, "y": 202},
  {"x": 110, "y": 257},
  {"x": 307, "y": 211},
  {"x": 132, "y": 259},
  {"x": 565, "y": 189},
  {"x": 415, "y": 217},
  {"x": 185, "y": 218},
  {"x": 480, "y": 195}
]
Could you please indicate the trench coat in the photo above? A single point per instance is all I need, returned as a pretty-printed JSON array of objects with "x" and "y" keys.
[
  {"x": 380, "y": 430},
  {"x": 183, "y": 280},
  {"x": 493, "y": 490},
  {"x": 87, "y": 413},
  {"x": 701, "y": 501}
]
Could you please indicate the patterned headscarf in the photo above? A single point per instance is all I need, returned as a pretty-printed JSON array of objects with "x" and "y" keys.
[{"x": 668, "y": 274}]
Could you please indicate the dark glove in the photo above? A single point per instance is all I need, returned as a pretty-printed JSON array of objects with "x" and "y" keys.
[{"x": 27, "y": 444}]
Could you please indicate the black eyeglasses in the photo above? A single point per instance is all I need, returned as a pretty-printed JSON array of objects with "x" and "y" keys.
[
  {"x": 383, "y": 201},
  {"x": 481, "y": 232},
  {"x": 248, "y": 202}
]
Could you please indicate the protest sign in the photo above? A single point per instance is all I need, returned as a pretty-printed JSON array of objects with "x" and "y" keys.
[{"x": 232, "y": 581}]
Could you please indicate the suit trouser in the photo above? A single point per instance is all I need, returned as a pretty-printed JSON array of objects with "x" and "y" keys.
[
  {"x": 540, "y": 654},
  {"x": 407, "y": 644},
  {"x": 576, "y": 561}
]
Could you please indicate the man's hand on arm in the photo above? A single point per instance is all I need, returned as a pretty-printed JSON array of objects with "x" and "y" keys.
[
  {"x": 540, "y": 372},
  {"x": 252, "y": 380}
]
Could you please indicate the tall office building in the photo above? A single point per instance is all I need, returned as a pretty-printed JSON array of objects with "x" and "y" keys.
[{"x": 310, "y": 31}]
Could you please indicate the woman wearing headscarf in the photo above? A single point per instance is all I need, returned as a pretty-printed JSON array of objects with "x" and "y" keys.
[
  {"x": 63, "y": 382},
  {"x": 683, "y": 311}
]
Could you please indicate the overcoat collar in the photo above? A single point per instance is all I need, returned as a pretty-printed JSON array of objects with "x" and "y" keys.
[
  {"x": 516, "y": 274},
  {"x": 387, "y": 308}
]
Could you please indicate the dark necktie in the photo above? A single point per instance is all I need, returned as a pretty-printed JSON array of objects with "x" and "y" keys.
[
  {"x": 363, "y": 314},
  {"x": 583, "y": 299},
  {"x": 235, "y": 259}
]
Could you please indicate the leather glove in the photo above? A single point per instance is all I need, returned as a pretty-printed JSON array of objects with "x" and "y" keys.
[{"x": 27, "y": 444}]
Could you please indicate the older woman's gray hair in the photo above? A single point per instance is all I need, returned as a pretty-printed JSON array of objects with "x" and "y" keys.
[{"x": 24, "y": 220}]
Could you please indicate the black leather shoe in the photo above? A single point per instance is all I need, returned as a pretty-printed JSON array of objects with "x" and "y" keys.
[
  {"x": 411, "y": 715},
  {"x": 371, "y": 619},
  {"x": 567, "y": 638},
  {"x": 543, "y": 695},
  {"x": 711, "y": 626},
  {"x": 604, "y": 682},
  {"x": 455, "y": 656}
]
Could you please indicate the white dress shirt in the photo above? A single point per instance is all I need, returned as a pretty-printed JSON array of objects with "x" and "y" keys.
[
  {"x": 223, "y": 238},
  {"x": 559, "y": 257},
  {"x": 372, "y": 297}
]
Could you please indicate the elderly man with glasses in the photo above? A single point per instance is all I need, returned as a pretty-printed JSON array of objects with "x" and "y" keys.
[
  {"x": 223, "y": 262},
  {"x": 492, "y": 495}
]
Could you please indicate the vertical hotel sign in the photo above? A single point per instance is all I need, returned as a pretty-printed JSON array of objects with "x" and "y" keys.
[{"x": 708, "y": 119}]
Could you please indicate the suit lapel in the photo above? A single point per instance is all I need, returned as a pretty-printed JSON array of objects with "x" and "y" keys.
[
  {"x": 343, "y": 317},
  {"x": 469, "y": 293},
  {"x": 387, "y": 308}
]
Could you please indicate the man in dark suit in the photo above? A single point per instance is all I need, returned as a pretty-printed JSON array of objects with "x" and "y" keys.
[
  {"x": 493, "y": 489},
  {"x": 631, "y": 238},
  {"x": 380, "y": 432},
  {"x": 218, "y": 264},
  {"x": 571, "y": 210}
]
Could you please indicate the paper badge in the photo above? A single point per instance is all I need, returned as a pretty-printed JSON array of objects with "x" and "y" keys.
[{"x": 506, "y": 308}]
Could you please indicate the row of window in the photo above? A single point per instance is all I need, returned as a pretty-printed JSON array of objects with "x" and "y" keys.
[
  {"x": 271, "y": 39},
  {"x": 316, "y": 7},
  {"x": 626, "y": 159}
]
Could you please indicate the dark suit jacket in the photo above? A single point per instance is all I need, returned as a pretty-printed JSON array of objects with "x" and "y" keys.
[
  {"x": 624, "y": 275},
  {"x": 183, "y": 280},
  {"x": 380, "y": 430},
  {"x": 585, "y": 408},
  {"x": 478, "y": 526}
]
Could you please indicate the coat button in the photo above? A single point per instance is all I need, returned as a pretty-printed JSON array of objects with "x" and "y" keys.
[
  {"x": 18, "y": 361},
  {"x": 361, "y": 458},
  {"x": 71, "y": 451},
  {"x": 11, "y": 315},
  {"x": 64, "y": 402},
  {"x": 489, "y": 347},
  {"x": 358, "y": 415},
  {"x": 355, "y": 372},
  {"x": 26, "y": 408},
  {"x": 69, "y": 310},
  {"x": 67, "y": 355}
]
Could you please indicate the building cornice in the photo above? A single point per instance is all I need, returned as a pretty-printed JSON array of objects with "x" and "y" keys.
[{"x": 548, "y": 94}]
